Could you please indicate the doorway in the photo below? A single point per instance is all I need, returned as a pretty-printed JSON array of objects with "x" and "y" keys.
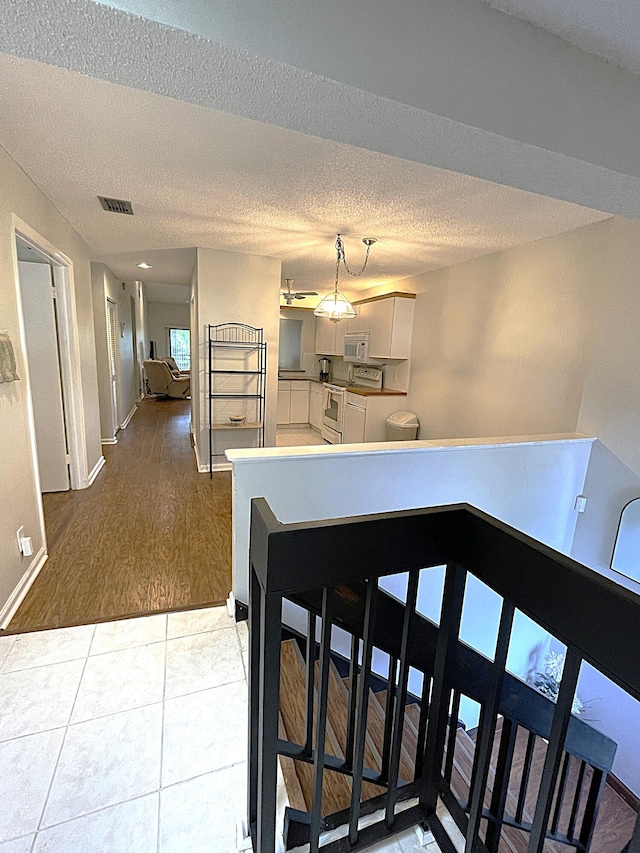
[
  {"x": 49, "y": 341},
  {"x": 40, "y": 315},
  {"x": 112, "y": 357}
]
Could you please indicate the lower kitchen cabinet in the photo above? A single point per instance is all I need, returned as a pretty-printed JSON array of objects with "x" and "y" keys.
[
  {"x": 365, "y": 418},
  {"x": 293, "y": 402},
  {"x": 315, "y": 405}
]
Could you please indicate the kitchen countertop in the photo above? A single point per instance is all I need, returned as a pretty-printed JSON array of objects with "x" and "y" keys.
[{"x": 362, "y": 390}]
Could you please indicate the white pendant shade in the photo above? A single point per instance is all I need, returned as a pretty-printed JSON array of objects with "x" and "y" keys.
[{"x": 335, "y": 306}]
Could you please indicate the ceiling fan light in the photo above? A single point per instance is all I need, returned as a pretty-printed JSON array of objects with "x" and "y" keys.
[{"x": 335, "y": 306}]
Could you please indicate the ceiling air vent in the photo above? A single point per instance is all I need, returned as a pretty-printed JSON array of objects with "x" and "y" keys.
[{"x": 116, "y": 205}]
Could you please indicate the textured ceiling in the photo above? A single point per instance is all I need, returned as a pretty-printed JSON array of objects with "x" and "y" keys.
[
  {"x": 198, "y": 177},
  {"x": 172, "y": 266},
  {"x": 608, "y": 28}
]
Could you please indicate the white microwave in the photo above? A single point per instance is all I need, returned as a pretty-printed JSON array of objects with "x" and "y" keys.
[{"x": 356, "y": 347}]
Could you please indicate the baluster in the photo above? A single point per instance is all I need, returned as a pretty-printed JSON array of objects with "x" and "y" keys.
[
  {"x": 363, "y": 706},
  {"x": 398, "y": 717},
  {"x": 321, "y": 721},
  {"x": 310, "y": 677},
  {"x": 590, "y": 816},
  {"x": 526, "y": 771},
  {"x": 560, "y": 793},
  {"x": 559, "y": 726},
  {"x": 388, "y": 716},
  {"x": 487, "y": 728},
  {"x": 501, "y": 783},
  {"x": 576, "y": 800},
  {"x": 422, "y": 723},
  {"x": 452, "y": 737},
  {"x": 353, "y": 696},
  {"x": 254, "y": 700},
  {"x": 270, "y": 636},
  {"x": 442, "y": 685}
]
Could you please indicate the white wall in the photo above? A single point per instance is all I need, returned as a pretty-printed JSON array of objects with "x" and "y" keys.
[
  {"x": 161, "y": 315},
  {"x": 501, "y": 343},
  {"x": 106, "y": 286},
  {"x": 530, "y": 486},
  {"x": 237, "y": 288},
  {"x": 19, "y": 500}
]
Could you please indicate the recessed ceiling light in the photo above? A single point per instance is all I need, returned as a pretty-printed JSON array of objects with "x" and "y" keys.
[{"x": 144, "y": 266}]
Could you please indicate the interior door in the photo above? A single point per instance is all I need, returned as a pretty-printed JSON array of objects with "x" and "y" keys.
[
  {"x": 38, "y": 306},
  {"x": 112, "y": 347}
]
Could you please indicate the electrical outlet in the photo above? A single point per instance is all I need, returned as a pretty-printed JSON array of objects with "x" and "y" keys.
[{"x": 581, "y": 503}]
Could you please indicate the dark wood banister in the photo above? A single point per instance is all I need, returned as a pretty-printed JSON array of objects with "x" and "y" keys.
[
  {"x": 594, "y": 617},
  {"x": 574, "y": 603}
]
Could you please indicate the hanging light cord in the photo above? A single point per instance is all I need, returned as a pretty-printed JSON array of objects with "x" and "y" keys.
[{"x": 342, "y": 257}]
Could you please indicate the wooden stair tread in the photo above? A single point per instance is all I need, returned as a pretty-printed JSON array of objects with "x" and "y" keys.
[
  {"x": 336, "y": 790},
  {"x": 337, "y": 712},
  {"x": 409, "y": 729},
  {"x": 611, "y": 833}
]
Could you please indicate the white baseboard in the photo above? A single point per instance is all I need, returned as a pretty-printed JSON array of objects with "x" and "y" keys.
[
  {"x": 24, "y": 585},
  {"x": 96, "y": 470},
  {"x": 203, "y": 467},
  {"x": 113, "y": 440},
  {"x": 125, "y": 424}
]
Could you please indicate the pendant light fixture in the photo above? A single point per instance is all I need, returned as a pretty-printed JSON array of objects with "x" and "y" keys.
[{"x": 335, "y": 305}]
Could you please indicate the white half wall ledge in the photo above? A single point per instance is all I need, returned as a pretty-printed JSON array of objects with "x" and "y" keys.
[{"x": 529, "y": 483}]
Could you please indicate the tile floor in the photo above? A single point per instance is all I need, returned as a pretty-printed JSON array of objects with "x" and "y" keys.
[
  {"x": 127, "y": 737},
  {"x": 298, "y": 437}
]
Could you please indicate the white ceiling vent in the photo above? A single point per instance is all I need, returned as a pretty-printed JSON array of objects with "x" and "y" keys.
[{"x": 116, "y": 205}]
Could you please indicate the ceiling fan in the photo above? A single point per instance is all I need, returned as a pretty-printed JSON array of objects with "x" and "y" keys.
[{"x": 289, "y": 296}]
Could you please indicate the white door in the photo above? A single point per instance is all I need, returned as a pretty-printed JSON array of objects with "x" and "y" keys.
[
  {"x": 38, "y": 306},
  {"x": 112, "y": 347}
]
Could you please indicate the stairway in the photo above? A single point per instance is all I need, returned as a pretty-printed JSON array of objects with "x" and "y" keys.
[{"x": 616, "y": 818}]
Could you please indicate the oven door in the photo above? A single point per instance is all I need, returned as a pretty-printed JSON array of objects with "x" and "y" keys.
[{"x": 333, "y": 408}]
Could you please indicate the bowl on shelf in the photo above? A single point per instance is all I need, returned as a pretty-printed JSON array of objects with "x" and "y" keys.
[{"x": 237, "y": 420}]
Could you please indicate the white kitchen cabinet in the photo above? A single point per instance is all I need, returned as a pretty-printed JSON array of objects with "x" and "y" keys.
[
  {"x": 389, "y": 320},
  {"x": 361, "y": 322},
  {"x": 330, "y": 336},
  {"x": 365, "y": 417},
  {"x": 299, "y": 411},
  {"x": 315, "y": 405},
  {"x": 293, "y": 402},
  {"x": 284, "y": 402}
]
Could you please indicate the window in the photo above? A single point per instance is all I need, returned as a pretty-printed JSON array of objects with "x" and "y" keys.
[
  {"x": 290, "y": 351},
  {"x": 180, "y": 347}
]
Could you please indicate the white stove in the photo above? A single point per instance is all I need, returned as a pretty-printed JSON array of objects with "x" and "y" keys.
[{"x": 334, "y": 396}]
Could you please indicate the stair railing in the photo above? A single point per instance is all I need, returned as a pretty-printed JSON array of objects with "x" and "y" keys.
[{"x": 332, "y": 568}]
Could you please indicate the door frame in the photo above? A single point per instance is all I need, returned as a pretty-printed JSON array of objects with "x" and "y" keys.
[
  {"x": 115, "y": 415},
  {"x": 69, "y": 348}
]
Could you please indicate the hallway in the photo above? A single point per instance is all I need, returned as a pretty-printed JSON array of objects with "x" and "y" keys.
[{"x": 150, "y": 535}]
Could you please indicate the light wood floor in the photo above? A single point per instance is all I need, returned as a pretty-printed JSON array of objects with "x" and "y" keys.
[{"x": 151, "y": 534}]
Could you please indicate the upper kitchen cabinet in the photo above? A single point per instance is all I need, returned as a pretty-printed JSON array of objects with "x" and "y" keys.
[
  {"x": 389, "y": 319},
  {"x": 330, "y": 336}
]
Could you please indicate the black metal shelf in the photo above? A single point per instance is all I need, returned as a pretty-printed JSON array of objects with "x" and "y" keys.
[
  {"x": 238, "y": 372},
  {"x": 239, "y": 337},
  {"x": 217, "y": 396}
]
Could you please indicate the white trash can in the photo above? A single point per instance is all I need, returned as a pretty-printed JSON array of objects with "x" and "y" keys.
[{"x": 402, "y": 426}]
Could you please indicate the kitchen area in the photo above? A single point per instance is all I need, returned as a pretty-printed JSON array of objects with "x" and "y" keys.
[{"x": 341, "y": 382}]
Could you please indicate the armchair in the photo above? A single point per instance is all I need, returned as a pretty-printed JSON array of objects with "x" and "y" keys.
[{"x": 162, "y": 381}]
